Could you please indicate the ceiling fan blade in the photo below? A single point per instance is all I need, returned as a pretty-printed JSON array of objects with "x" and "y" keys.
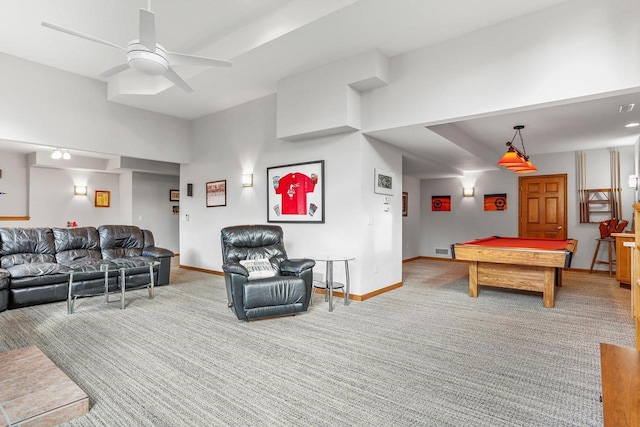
[
  {"x": 184, "y": 59},
  {"x": 77, "y": 34},
  {"x": 148, "y": 29},
  {"x": 177, "y": 80},
  {"x": 115, "y": 70}
]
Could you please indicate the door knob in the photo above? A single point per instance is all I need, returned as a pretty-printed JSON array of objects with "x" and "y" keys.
[{"x": 559, "y": 228}]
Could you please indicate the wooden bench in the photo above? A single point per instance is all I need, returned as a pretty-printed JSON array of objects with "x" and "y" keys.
[
  {"x": 620, "y": 385},
  {"x": 35, "y": 392}
]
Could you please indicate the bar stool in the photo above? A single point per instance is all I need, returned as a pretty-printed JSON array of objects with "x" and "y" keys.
[{"x": 606, "y": 228}]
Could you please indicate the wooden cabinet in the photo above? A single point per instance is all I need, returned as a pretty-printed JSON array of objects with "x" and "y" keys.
[
  {"x": 623, "y": 257},
  {"x": 620, "y": 368},
  {"x": 635, "y": 282}
]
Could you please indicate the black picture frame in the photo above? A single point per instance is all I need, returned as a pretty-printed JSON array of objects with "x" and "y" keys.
[
  {"x": 295, "y": 193},
  {"x": 174, "y": 195},
  {"x": 216, "y": 193}
]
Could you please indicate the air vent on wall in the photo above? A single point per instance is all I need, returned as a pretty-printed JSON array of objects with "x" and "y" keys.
[{"x": 442, "y": 251}]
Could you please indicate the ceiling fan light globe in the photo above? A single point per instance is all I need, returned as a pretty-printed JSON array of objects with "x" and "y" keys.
[{"x": 141, "y": 59}]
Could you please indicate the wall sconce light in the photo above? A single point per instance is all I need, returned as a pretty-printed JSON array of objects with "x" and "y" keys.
[
  {"x": 633, "y": 181},
  {"x": 467, "y": 191},
  {"x": 247, "y": 180},
  {"x": 80, "y": 190}
]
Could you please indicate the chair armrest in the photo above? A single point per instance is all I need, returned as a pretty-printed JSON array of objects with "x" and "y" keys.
[
  {"x": 235, "y": 268},
  {"x": 296, "y": 266},
  {"x": 157, "y": 252}
]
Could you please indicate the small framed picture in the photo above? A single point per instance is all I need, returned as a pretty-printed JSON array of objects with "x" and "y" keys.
[
  {"x": 216, "y": 193},
  {"x": 384, "y": 182},
  {"x": 102, "y": 199},
  {"x": 174, "y": 195},
  {"x": 405, "y": 203}
]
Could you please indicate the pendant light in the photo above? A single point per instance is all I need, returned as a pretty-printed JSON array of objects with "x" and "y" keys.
[{"x": 514, "y": 159}]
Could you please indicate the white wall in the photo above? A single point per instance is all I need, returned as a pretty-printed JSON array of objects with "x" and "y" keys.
[
  {"x": 467, "y": 219},
  {"x": 381, "y": 240},
  {"x": 52, "y": 202},
  {"x": 244, "y": 139},
  {"x": 152, "y": 208}
]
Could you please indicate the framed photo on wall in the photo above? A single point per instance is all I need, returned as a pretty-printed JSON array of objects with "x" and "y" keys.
[
  {"x": 441, "y": 203},
  {"x": 102, "y": 199},
  {"x": 384, "y": 182},
  {"x": 295, "y": 192},
  {"x": 174, "y": 195},
  {"x": 495, "y": 202},
  {"x": 216, "y": 193}
]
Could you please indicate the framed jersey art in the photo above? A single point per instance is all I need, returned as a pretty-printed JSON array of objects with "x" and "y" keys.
[{"x": 295, "y": 193}]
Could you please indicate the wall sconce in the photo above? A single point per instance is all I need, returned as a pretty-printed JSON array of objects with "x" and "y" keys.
[
  {"x": 80, "y": 190},
  {"x": 467, "y": 191},
  {"x": 633, "y": 181},
  {"x": 247, "y": 180}
]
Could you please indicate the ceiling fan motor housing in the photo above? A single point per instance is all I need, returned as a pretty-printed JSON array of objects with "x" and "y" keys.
[{"x": 142, "y": 59}]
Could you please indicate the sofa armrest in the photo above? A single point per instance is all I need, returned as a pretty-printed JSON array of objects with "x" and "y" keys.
[
  {"x": 157, "y": 252},
  {"x": 235, "y": 268},
  {"x": 296, "y": 266}
]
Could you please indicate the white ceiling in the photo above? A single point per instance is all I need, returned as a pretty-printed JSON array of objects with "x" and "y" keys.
[{"x": 268, "y": 40}]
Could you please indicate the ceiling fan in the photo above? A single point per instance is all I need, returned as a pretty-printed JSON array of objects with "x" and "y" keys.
[{"x": 147, "y": 56}]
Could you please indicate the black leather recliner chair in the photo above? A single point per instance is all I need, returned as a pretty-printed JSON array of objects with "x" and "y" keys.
[{"x": 287, "y": 292}]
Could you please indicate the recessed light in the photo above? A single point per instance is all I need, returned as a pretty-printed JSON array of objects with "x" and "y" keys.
[{"x": 631, "y": 125}]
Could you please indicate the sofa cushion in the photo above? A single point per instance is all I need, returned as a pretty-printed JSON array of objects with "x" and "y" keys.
[
  {"x": 35, "y": 269},
  {"x": 26, "y": 245},
  {"x": 76, "y": 243},
  {"x": 120, "y": 241}
]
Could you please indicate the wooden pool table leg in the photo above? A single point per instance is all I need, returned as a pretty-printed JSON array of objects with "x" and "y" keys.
[
  {"x": 548, "y": 293},
  {"x": 473, "y": 279},
  {"x": 558, "y": 273}
]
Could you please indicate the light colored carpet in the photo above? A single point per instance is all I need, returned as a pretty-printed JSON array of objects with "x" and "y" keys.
[{"x": 425, "y": 354}]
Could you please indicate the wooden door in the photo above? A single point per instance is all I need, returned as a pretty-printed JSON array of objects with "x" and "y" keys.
[{"x": 543, "y": 206}]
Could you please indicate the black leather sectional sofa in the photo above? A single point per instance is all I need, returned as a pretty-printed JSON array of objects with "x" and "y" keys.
[{"x": 35, "y": 262}]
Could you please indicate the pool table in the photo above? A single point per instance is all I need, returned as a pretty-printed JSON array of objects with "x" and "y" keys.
[{"x": 517, "y": 263}]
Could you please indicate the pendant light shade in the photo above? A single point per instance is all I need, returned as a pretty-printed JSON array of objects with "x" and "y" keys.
[
  {"x": 517, "y": 160},
  {"x": 530, "y": 168},
  {"x": 510, "y": 158}
]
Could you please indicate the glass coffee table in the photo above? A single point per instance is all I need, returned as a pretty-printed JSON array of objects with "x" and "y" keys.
[{"x": 109, "y": 271}]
